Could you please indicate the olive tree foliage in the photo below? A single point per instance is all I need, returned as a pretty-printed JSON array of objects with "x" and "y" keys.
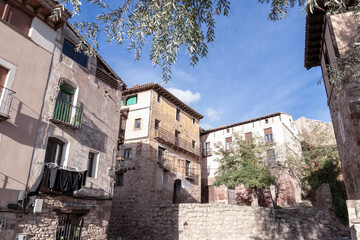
[{"x": 167, "y": 25}]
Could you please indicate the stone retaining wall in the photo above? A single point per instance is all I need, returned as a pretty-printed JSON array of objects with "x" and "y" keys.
[{"x": 221, "y": 221}]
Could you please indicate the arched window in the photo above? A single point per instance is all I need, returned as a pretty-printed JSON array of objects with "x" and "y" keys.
[{"x": 54, "y": 151}]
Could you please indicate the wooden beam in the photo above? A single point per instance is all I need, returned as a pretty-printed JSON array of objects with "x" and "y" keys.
[{"x": 39, "y": 9}]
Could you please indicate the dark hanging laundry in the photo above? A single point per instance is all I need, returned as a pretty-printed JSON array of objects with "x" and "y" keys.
[{"x": 57, "y": 179}]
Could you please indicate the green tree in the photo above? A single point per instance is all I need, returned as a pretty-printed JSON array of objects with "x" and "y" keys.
[{"x": 243, "y": 164}]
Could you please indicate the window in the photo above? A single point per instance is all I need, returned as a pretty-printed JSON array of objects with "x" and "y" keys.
[
  {"x": 248, "y": 136},
  {"x": 69, "y": 226},
  {"x": 5, "y": 94},
  {"x": 227, "y": 130},
  {"x": 131, "y": 100},
  {"x": 228, "y": 143},
  {"x": 161, "y": 155},
  {"x": 187, "y": 167},
  {"x": 177, "y": 133},
  {"x": 54, "y": 151},
  {"x": 69, "y": 50},
  {"x": 138, "y": 123},
  {"x": 266, "y": 121},
  {"x": 157, "y": 124},
  {"x": 193, "y": 144},
  {"x": 127, "y": 153},
  {"x": 158, "y": 98},
  {"x": 3, "y": 75},
  {"x": 207, "y": 150},
  {"x": 268, "y": 135},
  {"x": 92, "y": 164},
  {"x": 271, "y": 156},
  {"x": 15, "y": 17},
  {"x": 178, "y": 114},
  {"x": 194, "y": 120},
  {"x": 119, "y": 179}
]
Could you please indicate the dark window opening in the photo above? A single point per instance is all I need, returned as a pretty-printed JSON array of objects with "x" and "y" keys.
[
  {"x": 187, "y": 168},
  {"x": 69, "y": 49},
  {"x": 177, "y": 133},
  {"x": 91, "y": 165},
  {"x": 193, "y": 144},
  {"x": 161, "y": 155},
  {"x": 119, "y": 179},
  {"x": 157, "y": 124},
  {"x": 178, "y": 114},
  {"x": 158, "y": 97},
  {"x": 54, "y": 151}
]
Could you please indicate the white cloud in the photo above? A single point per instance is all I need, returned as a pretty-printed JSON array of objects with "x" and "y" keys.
[
  {"x": 212, "y": 114},
  {"x": 186, "y": 96}
]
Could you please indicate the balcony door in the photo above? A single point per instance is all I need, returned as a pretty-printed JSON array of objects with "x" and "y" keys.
[
  {"x": 64, "y": 100},
  {"x": 54, "y": 151},
  {"x": 3, "y": 74}
]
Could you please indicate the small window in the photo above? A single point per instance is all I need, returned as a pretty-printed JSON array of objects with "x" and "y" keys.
[
  {"x": 92, "y": 164},
  {"x": 3, "y": 75},
  {"x": 127, "y": 153},
  {"x": 187, "y": 167},
  {"x": 161, "y": 155},
  {"x": 138, "y": 123},
  {"x": 193, "y": 144},
  {"x": 178, "y": 114},
  {"x": 16, "y": 17},
  {"x": 119, "y": 180},
  {"x": 177, "y": 134},
  {"x": 158, "y": 97},
  {"x": 268, "y": 135},
  {"x": 266, "y": 121},
  {"x": 157, "y": 124},
  {"x": 271, "y": 156},
  {"x": 69, "y": 50},
  {"x": 248, "y": 136},
  {"x": 228, "y": 143},
  {"x": 131, "y": 100},
  {"x": 227, "y": 130},
  {"x": 54, "y": 151},
  {"x": 194, "y": 120}
]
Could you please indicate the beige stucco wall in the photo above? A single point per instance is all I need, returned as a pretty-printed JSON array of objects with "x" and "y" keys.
[{"x": 17, "y": 135}]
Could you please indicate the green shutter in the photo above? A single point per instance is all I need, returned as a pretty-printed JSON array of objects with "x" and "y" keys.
[
  {"x": 122, "y": 103},
  {"x": 66, "y": 89},
  {"x": 131, "y": 100}
]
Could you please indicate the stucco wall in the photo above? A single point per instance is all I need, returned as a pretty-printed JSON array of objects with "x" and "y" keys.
[{"x": 29, "y": 68}]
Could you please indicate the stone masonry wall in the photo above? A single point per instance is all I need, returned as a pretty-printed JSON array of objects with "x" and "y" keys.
[
  {"x": 222, "y": 221},
  {"x": 41, "y": 226}
]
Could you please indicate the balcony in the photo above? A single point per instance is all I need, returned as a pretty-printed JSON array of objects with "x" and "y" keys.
[
  {"x": 6, "y": 98},
  {"x": 169, "y": 138},
  {"x": 166, "y": 164},
  {"x": 206, "y": 152},
  {"x": 67, "y": 114},
  {"x": 190, "y": 173}
]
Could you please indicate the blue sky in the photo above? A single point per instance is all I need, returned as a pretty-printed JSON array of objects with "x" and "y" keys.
[{"x": 255, "y": 67}]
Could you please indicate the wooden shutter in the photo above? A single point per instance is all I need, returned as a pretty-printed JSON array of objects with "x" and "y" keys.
[
  {"x": 268, "y": 131},
  {"x": 3, "y": 74},
  {"x": 19, "y": 19},
  {"x": 229, "y": 139},
  {"x": 248, "y": 136}
]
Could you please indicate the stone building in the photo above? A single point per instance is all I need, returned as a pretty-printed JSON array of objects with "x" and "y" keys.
[
  {"x": 159, "y": 159},
  {"x": 328, "y": 37},
  {"x": 60, "y": 139},
  {"x": 278, "y": 128}
]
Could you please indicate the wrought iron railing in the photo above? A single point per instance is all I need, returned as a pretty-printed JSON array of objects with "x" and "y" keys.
[
  {"x": 206, "y": 152},
  {"x": 170, "y": 138},
  {"x": 166, "y": 163},
  {"x": 67, "y": 114},
  {"x": 190, "y": 173},
  {"x": 6, "y": 98}
]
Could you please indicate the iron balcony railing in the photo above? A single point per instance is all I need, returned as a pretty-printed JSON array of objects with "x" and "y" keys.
[
  {"x": 206, "y": 152},
  {"x": 166, "y": 163},
  {"x": 67, "y": 114},
  {"x": 6, "y": 98},
  {"x": 190, "y": 173},
  {"x": 170, "y": 138}
]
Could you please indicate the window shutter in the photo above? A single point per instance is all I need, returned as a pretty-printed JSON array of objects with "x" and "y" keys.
[
  {"x": 19, "y": 19},
  {"x": 268, "y": 131},
  {"x": 131, "y": 100},
  {"x": 67, "y": 89},
  {"x": 248, "y": 136},
  {"x": 3, "y": 74},
  {"x": 229, "y": 139}
]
